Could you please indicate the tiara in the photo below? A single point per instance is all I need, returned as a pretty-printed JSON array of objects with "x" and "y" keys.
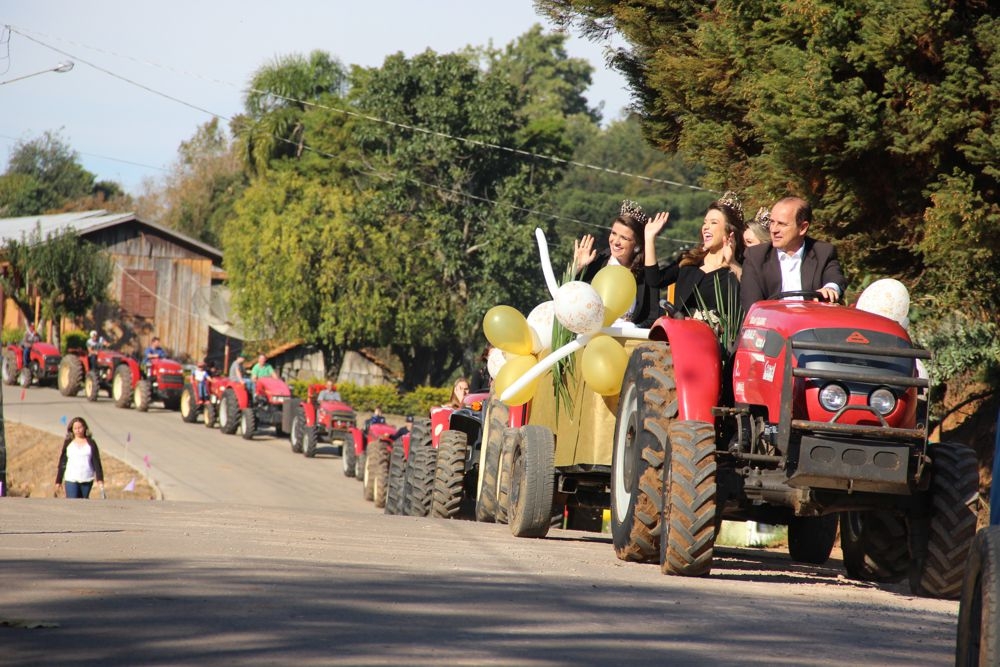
[
  {"x": 634, "y": 211},
  {"x": 763, "y": 218},
  {"x": 730, "y": 200}
]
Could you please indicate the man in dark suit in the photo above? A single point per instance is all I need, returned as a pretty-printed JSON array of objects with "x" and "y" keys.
[{"x": 792, "y": 261}]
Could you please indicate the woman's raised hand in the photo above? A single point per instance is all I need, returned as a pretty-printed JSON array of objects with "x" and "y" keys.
[
  {"x": 655, "y": 226},
  {"x": 583, "y": 251}
]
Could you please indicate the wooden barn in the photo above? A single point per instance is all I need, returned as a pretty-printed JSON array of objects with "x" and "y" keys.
[{"x": 162, "y": 281}]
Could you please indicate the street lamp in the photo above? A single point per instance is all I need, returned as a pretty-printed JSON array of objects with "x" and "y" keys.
[{"x": 64, "y": 66}]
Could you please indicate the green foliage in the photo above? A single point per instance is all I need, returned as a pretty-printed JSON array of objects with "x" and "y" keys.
[
  {"x": 961, "y": 345},
  {"x": 12, "y": 335},
  {"x": 74, "y": 340},
  {"x": 70, "y": 274}
]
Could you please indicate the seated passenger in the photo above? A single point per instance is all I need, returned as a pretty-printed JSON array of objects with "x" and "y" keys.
[{"x": 329, "y": 393}]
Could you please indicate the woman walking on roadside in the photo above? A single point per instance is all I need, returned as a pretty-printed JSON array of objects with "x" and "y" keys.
[{"x": 80, "y": 461}]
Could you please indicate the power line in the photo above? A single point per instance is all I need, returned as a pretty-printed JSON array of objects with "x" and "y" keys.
[{"x": 102, "y": 157}]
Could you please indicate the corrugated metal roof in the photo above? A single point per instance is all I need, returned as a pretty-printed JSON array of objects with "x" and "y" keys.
[{"x": 86, "y": 222}]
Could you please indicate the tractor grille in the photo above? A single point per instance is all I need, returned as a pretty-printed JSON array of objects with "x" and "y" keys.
[{"x": 170, "y": 379}]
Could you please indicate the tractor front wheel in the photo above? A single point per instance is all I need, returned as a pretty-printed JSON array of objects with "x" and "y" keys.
[
  {"x": 394, "y": 488},
  {"x": 348, "y": 457},
  {"x": 811, "y": 538},
  {"x": 378, "y": 465},
  {"x": 248, "y": 423},
  {"x": 70, "y": 375},
  {"x": 91, "y": 385},
  {"x": 10, "y": 367},
  {"x": 229, "y": 412},
  {"x": 309, "y": 439},
  {"x": 420, "y": 478},
  {"x": 874, "y": 545},
  {"x": 189, "y": 405},
  {"x": 296, "y": 435},
  {"x": 486, "y": 499},
  {"x": 143, "y": 395},
  {"x": 449, "y": 474},
  {"x": 121, "y": 386},
  {"x": 531, "y": 481},
  {"x": 209, "y": 414}
]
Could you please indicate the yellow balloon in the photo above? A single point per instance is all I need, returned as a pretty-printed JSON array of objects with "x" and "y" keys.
[
  {"x": 616, "y": 286},
  {"x": 506, "y": 328},
  {"x": 515, "y": 367},
  {"x": 603, "y": 365}
]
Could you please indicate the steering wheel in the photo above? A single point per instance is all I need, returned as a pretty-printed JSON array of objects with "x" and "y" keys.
[{"x": 812, "y": 295}]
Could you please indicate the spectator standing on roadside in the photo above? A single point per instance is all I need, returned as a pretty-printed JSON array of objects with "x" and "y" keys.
[
  {"x": 79, "y": 462},
  {"x": 30, "y": 338}
]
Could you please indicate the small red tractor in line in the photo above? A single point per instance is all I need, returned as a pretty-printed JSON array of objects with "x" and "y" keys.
[
  {"x": 380, "y": 440},
  {"x": 193, "y": 405},
  {"x": 331, "y": 421},
  {"x": 240, "y": 409},
  {"x": 43, "y": 365},
  {"x": 114, "y": 373},
  {"x": 162, "y": 381}
]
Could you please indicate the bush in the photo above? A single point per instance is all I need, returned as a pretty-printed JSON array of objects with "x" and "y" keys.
[
  {"x": 74, "y": 340},
  {"x": 12, "y": 335}
]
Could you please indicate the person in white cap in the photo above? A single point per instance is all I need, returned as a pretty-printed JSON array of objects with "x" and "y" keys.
[{"x": 94, "y": 345}]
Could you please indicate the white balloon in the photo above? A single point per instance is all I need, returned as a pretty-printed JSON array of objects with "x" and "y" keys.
[
  {"x": 579, "y": 308},
  {"x": 540, "y": 321},
  {"x": 495, "y": 361},
  {"x": 887, "y": 297}
]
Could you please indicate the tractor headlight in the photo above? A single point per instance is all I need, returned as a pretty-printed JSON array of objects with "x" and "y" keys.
[
  {"x": 833, "y": 397},
  {"x": 882, "y": 401}
]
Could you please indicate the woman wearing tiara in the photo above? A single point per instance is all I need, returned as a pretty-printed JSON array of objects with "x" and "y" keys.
[
  {"x": 624, "y": 249},
  {"x": 759, "y": 229},
  {"x": 707, "y": 276}
]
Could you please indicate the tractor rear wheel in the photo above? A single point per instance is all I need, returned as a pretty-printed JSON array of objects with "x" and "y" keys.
[
  {"x": 368, "y": 480},
  {"x": 979, "y": 611},
  {"x": 531, "y": 481},
  {"x": 874, "y": 545},
  {"x": 394, "y": 488},
  {"x": 309, "y": 440},
  {"x": 942, "y": 542},
  {"x": 24, "y": 377},
  {"x": 420, "y": 478},
  {"x": 229, "y": 412},
  {"x": 811, "y": 538},
  {"x": 486, "y": 499},
  {"x": 689, "y": 526},
  {"x": 349, "y": 458},
  {"x": 449, "y": 474},
  {"x": 296, "y": 435},
  {"x": 189, "y": 405},
  {"x": 121, "y": 386},
  {"x": 91, "y": 385},
  {"x": 143, "y": 395},
  {"x": 10, "y": 367},
  {"x": 70, "y": 375},
  {"x": 248, "y": 423},
  {"x": 209, "y": 414},
  {"x": 378, "y": 470},
  {"x": 646, "y": 408},
  {"x": 503, "y": 480}
]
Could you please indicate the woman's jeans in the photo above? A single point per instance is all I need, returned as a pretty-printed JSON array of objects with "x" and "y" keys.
[{"x": 78, "y": 489}]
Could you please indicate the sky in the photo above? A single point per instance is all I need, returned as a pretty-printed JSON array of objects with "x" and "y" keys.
[{"x": 204, "y": 53}]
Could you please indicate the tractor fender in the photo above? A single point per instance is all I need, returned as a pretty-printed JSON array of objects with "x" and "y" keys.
[
  {"x": 310, "y": 411},
  {"x": 133, "y": 367},
  {"x": 242, "y": 398},
  {"x": 440, "y": 420},
  {"x": 697, "y": 366},
  {"x": 359, "y": 440}
]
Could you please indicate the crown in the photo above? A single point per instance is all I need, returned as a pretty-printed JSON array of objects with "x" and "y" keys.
[
  {"x": 731, "y": 201},
  {"x": 763, "y": 218},
  {"x": 634, "y": 211}
]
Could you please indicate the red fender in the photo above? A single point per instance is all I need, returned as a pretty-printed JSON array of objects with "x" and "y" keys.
[
  {"x": 440, "y": 421},
  {"x": 697, "y": 365},
  {"x": 242, "y": 398},
  {"x": 309, "y": 408},
  {"x": 359, "y": 443}
]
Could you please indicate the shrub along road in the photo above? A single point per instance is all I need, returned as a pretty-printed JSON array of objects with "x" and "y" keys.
[{"x": 276, "y": 559}]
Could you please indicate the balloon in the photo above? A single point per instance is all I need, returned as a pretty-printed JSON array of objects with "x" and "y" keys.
[
  {"x": 495, "y": 361},
  {"x": 515, "y": 367},
  {"x": 887, "y": 297},
  {"x": 540, "y": 321},
  {"x": 603, "y": 365},
  {"x": 507, "y": 329},
  {"x": 579, "y": 308},
  {"x": 615, "y": 284}
]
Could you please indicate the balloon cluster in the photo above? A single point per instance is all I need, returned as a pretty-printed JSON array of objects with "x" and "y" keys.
[{"x": 586, "y": 309}]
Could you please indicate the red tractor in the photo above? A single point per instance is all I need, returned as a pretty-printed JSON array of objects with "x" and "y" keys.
[
  {"x": 379, "y": 442},
  {"x": 162, "y": 380},
  {"x": 238, "y": 409},
  {"x": 815, "y": 418},
  {"x": 43, "y": 365},
  {"x": 316, "y": 421},
  {"x": 192, "y": 404},
  {"x": 115, "y": 373}
]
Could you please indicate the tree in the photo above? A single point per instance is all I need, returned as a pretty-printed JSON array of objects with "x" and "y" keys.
[{"x": 69, "y": 274}]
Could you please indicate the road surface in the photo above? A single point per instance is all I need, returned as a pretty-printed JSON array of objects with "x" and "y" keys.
[{"x": 262, "y": 557}]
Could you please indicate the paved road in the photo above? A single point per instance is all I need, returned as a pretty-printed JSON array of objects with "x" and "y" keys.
[{"x": 301, "y": 571}]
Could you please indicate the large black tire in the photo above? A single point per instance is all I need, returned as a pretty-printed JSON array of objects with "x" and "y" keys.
[
  {"x": 210, "y": 414},
  {"x": 349, "y": 458},
  {"x": 368, "y": 478},
  {"x": 531, "y": 482},
  {"x": 229, "y": 412},
  {"x": 143, "y": 395},
  {"x": 979, "y": 610},
  {"x": 297, "y": 434},
  {"x": 486, "y": 499},
  {"x": 121, "y": 386},
  {"x": 248, "y": 423},
  {"x": 646, "y": 408},
  {"x": 10, "y": 370},
  {"x": 811, "y": 538},
  {"x": 394, "y": 487},
  {"x": 91, "y": 385},
  {"x": 378, "y": 469},
  {"x": 875, "y": 546},
  {"x": 449, "y": 475},
  {"x": 420, "y": 478},
  {"x": 24, "y": 377},
  {"x": 70, "y": 375},
  {"x": 189, "y": 405},
  {"x": 309, "y": 441},
  {"x": 504, "y": 476},
  {"x": 689, "y": 525},
  {"x": 940, "y": 545}
]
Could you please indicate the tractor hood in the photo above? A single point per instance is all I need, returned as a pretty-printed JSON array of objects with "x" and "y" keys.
[{"x": 788, "y": 318}]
